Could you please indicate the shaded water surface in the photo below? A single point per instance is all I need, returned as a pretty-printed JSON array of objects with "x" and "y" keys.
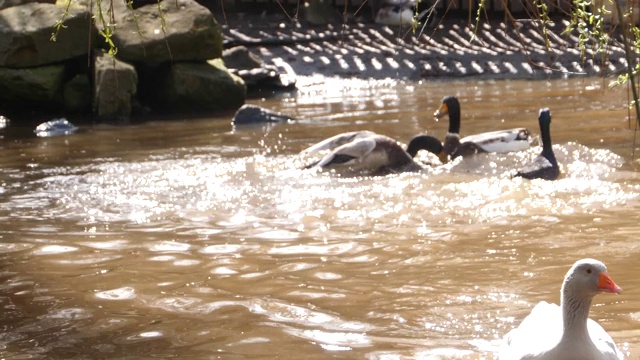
[{"x": 197, "y": 239}]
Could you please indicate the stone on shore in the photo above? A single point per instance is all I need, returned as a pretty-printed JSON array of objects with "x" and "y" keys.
[
  {"x": 115, "y": 84},
  {"x": 32, "y": 86},
  {"x": 25, "y": 35},
  {"x": 194, "y": 87},
  {"x": 56, "y": 127},
  {"x": 255, "y": 72},
  {"x": 240, "y": 58},
  {"x": 250, "y": 114},
  {"x": 321, "y": 12},
  {"x": 9, "y": 3},
  {"x": 77, "y": 94},
  {"x": 190, "y": 32}
]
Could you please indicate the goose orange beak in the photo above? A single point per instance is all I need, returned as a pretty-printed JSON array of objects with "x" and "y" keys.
[
  {"x": 444, "y": 110},
  {"x": 606, "y": 284}
]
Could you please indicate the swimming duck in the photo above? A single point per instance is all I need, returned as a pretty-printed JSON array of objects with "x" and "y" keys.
[
  {"x": 545, "y": 165},
  {"x": 566, "y": 332},
  {"x": 495, "y": 141},
  {"x": 366, "y": 151}
]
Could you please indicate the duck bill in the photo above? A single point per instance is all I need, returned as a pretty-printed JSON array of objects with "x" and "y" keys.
[
  {"x": 444, "y": 110},
  {"x": 606, "y": 284}
]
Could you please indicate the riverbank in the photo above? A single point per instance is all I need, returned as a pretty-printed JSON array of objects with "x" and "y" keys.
[{"x": 447, "y": 48}]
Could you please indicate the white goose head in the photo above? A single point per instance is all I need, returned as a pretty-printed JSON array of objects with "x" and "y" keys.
[{"x": 587, "y": 278}]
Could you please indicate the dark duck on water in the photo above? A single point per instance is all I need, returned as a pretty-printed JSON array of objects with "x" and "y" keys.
[
  {"x": 545, "y": 166},
  {"x": 371, "y": 153}
]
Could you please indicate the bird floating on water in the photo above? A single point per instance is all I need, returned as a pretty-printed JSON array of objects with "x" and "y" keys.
[
  {"x": 545, "y": 166},
  {"x": 501, "y": 141},
  {"x": 565, "y": 332},
  {"x": 371, "y": 153}
]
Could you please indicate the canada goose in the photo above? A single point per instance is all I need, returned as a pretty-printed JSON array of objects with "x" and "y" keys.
[
  {"x": 501, "y": 141},
  {"x": 368, "y": 152},
  {"x": 545, "y": 165}
]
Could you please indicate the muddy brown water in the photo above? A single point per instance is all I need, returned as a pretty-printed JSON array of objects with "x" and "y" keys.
[{"x": 194, "y": 239}]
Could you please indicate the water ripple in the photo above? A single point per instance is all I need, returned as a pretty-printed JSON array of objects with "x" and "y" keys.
[
  {"x": 329, "y": 249},
  {"x": 54, "y": 249},
  {"x": 286, "y": 313},
  {"x": 124, "y": 293},
  {"x": 14, "y": 247}
]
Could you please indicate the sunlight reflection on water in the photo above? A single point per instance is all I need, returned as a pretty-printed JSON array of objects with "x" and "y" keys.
[
  {"x": 224, "y": 232},
  {"x": 149, "y": 191}
]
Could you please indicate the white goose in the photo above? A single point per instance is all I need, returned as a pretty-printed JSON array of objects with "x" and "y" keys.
[{"x": 566, "y": 332}]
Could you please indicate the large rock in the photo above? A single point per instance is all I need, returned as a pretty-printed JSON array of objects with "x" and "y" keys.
[
  {"x": 32, "y": 87},
  {"x": 202, "y": 87},
  {"x": 77, "y": 94},
  {"x": 240, "y": 58},
  {"x": 115, "y": 85},
  {"x": 257, "y": 74},
  {"x": 25, "y": 35},
  {"x": 9, "y": 3},
  {"x": 192, "y": 33},
  {"x": 321, "y": 12},
  {"x": 250, "y": 114},
  {"x": 56, "y": 127}
]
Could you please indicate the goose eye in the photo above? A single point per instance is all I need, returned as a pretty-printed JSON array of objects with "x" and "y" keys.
[{"x": 588, "y": 271}]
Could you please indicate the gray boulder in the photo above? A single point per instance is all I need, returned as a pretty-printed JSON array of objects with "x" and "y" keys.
[
  {"x": 9, "y": 3},
  {"x": 321, "y": 12},
  {"x": 25, "y": 35},
  {"x": 202, "y": 87},
  {"x": 115, "y": 85},
  {"x": 240, "y": 58},
  {"x": 255, "y": 72},
  {"x": 254, "y": 114},
  {"x": 192, "y": 32},
  {"x": 4, "y": 122},
  {"x": 77, "y": 93},
  {"x": 32, "y": 86},
  {"x": 55, "y": 127}
]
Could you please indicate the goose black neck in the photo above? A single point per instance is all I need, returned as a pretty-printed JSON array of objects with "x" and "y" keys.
[
  {"x": 545, "y": 133},
  {"x": 454, "y": 116},
  {"x": 424, "y": 142}
]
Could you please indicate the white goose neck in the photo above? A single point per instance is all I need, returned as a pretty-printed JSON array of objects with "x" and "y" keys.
[{"x": 575, "y": 314}]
